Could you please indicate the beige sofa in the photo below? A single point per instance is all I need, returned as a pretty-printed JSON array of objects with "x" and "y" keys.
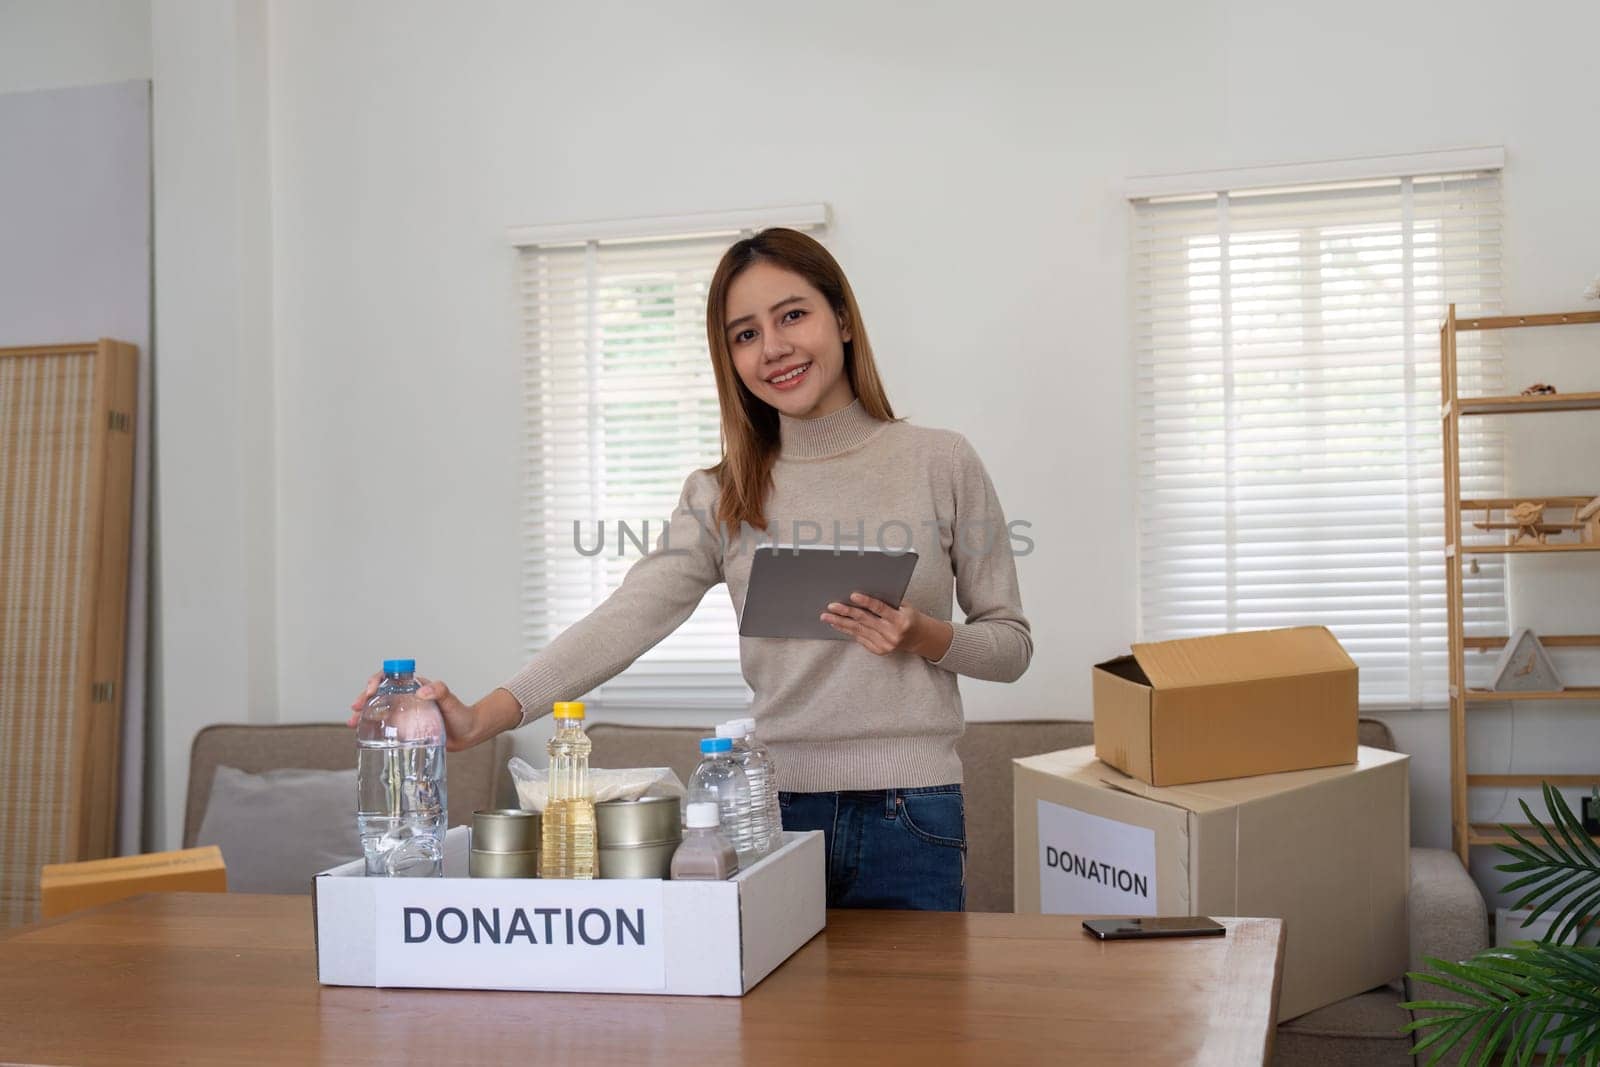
[
  {"x": 474, "y": 775},
  {"x": 1448, "y": 917}
]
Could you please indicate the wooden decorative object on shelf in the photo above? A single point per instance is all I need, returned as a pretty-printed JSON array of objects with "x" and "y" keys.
[
  {"x": 1532, "y": 528},
  {"x": 1589, "y": 515},
  {"x": 1526, "y": 521},
  {"x": 1529, "y": 519}
]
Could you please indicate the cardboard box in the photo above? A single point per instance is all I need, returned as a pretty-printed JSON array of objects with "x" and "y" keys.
[
  {"x": 69, "y": 887},
  {"x": 626, "y": 935},
  {"x": 1327, "y": 851},
  {"x": 1228, "y": 706}
]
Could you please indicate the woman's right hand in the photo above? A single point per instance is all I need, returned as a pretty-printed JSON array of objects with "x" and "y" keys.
[
  {"x": 465, "y": 725},
  {"x": 359, "y": 703}
]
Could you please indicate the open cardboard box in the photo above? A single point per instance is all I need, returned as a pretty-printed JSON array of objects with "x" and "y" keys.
[
  {"x": 636, "y": 935},
  {"x": 1227, "y": 706}
]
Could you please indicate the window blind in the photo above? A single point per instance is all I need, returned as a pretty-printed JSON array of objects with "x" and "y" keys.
[
  {"x": 1288, "y": 414},
  {"x": 620, "y": 404}
]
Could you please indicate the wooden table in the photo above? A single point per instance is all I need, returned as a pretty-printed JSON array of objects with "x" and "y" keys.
[{"x": 231, "y": 978}]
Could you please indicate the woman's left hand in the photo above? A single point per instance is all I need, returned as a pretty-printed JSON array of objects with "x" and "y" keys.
[{"x": 881, "y": 629}]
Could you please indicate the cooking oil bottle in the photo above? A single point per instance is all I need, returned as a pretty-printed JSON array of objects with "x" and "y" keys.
[{"x": 567, "y": 847}]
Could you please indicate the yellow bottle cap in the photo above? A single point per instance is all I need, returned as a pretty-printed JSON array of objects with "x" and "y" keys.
[{"x": 569, "y": 709}]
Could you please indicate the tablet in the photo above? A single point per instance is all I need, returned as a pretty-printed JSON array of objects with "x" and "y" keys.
[{"x": 791, "y": 587}]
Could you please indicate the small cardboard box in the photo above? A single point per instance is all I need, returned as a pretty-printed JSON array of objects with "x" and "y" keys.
[
  {"x": 1227, "y": 706},
  {"x": 1327, "y": 851},
  {"x": 69, "y": 887},
  {"x": 626, "y": 935}
]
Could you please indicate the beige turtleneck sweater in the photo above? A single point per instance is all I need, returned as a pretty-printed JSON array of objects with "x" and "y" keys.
[{"x": 835, "y": 715}]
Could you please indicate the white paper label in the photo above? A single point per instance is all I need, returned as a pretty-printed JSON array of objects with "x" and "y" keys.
[
  {"x": 517, "y": 934},
  {"x": 1090, "y": 865}
]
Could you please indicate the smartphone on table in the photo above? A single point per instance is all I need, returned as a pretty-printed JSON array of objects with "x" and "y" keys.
[{"x": 1138, "y": 927}]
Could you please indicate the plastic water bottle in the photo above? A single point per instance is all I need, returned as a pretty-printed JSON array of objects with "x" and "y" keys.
[
  {"x": 401, "y": 802},
  {"x": 566, "y": 845},
  {"x": 774, "y": 809},
  {"x": 766, "y": 832},
  {"x": 718, "y": 780}
]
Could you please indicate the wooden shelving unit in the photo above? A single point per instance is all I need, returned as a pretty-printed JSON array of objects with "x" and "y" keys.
[
  {"x": 1454, "y": 408},
  {"x": 1511, "y": 550},
  {"x": 1524, "y": 405},
  {"x": 1482, "y": 833},
  {"x": 1571, "y": 692}
]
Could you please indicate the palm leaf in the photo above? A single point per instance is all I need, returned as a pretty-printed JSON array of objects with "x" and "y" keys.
[
  {"x": 1513, "y": 998},
  {"x": 1562, "y": 874},
  {"x": 1528, "y": 1040},
  {"x": 1489, "y": 1039},
  {"x": 1446, "y": 1038}
]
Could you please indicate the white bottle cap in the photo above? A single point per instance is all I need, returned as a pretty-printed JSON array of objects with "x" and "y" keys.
[
  {"x": 703, "y": 816},
  {"x": 749, "y": 726},
  {"x": 734, "y": 728}
]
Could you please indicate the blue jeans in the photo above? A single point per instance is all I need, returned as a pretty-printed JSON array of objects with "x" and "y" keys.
[{"x": 888, "y": 848}]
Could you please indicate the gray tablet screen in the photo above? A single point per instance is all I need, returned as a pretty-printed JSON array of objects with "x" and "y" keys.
[{"x": 791, "y": 587}]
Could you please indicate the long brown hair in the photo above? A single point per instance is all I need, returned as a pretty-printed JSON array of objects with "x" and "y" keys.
[{"x": 750, "y": 437}]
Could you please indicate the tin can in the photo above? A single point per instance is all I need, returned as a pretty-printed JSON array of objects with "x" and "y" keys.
[
  {"x": 637, "y": 837},
  {"x": 502, "y": 864},
  {"x": 505, "y": 830}
]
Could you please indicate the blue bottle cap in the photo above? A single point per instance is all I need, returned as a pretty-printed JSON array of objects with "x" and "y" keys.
[
  {"x": 399, "y": 666},
  {"x": 709, "y": 745}
]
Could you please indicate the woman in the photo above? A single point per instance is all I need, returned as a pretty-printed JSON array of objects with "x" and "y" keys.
[{"x": 863, "y": 732}]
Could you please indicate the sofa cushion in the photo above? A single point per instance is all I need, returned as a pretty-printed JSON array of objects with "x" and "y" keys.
[
  {"x": 677, "y": 747},
  {"x": 477, "y": 776},
  {"x": 986, "y": 750},
  {"x": 279, "y": 828},
  {"x": 1375, "y": 734},
  {"x": 1359, "y": 1030}
]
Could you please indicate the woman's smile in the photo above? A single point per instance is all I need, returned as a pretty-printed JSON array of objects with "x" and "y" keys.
[{"x": 790, "y": 378}]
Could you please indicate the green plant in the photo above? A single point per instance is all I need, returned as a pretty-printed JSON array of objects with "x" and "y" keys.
[{"x": 1516, "y": 997}]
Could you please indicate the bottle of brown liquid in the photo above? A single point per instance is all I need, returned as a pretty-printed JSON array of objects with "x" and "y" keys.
[{"x": 705, "y": 855}]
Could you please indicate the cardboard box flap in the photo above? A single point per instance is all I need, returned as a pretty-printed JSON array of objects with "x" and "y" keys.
[
  {"x": 1080, "y": 765},
  {"x": 1241, "y": 657},
  {"x": 1204, "y": 797},
  {"x": 1073, "y": 764},
  {"x": 1173, "y": 796},
  {"x": 1236, "y": 791},
  {"x": 1126, "y": 668}
]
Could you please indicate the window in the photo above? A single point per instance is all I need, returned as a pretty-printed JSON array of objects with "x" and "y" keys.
[
  {"x": 1289, "y": 446},
  {"x": 620, "y": 404}
]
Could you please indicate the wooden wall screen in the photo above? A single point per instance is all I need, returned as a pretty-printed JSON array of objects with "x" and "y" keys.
[{"x": 66, "y": 493}]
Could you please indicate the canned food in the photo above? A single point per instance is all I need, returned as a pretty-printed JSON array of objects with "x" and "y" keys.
[
  {"x": 505, "y": 830},
  {"x": 637, "y": 861},
  {"x": 502, "y": 864},
  {"x": 646, "y": 821}
]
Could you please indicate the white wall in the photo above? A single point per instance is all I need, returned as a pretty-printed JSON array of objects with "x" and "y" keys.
[
  {"x": 974, "y": 156},
  {"x": 57, "y": 44},
  {"x": 215, "y": 398}
]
